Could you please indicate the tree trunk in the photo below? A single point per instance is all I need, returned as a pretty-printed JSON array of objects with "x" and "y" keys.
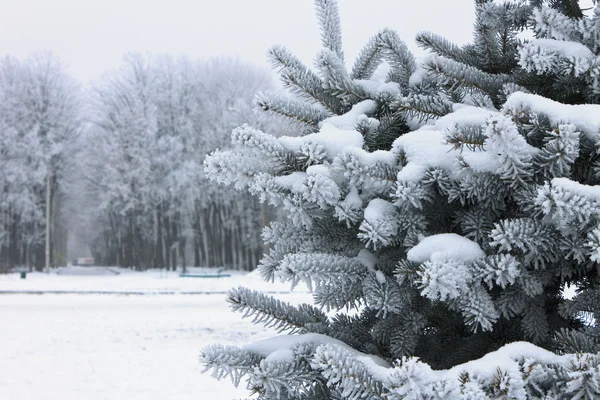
[
  {"x": 197, "y": 242},
  {"x": 159, "y": 260}
]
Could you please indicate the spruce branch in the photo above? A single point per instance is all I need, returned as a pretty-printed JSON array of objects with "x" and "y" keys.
[
  {"x": 284, "y": 378},
  {"x": 535, "y": 322},
  {"x": 422, "y": 106},
  {"x": 397, "y": 54},
  {"x": 454, "y": 73},
  {"x": 486, "y": 41},
  {"x": 442, "y": 47},
  {"x": 336, "y": 80},
  {"x": 342, "y": 370},
  {"x": 228, "y": 361},
  {"x": 531, "y": 240},
  {"x": 551, "y": 23},
  {"x": 471, "y": 137},
  {"x": 320, "y": 269},
  {"x": 577, "y": 341},
  {"x": 274, "y": 313},
  {"x": 336, "y": 297},
  {"x": 331, "y": 30},
  {"x": 384, "y": 295},
  {"x": 297, "y": 111},
  {"x": 570, "y": 8},
  {"x": 281, "y": 58},
  {"x": 478, "y": 309},
  {"x": 301, "y": 80},
  {"x": 368, "y": 59}
]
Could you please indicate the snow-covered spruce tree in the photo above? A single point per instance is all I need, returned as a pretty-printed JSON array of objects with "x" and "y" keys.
[{"x": 437, "y": 247}]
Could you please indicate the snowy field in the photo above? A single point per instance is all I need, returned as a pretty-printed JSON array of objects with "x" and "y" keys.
[
  {"x": 123, "y": 281},
  {"x": 101, "y": 346}
]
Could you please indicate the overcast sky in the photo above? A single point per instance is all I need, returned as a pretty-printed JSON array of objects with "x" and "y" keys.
[{"x": 91, "y": 36}]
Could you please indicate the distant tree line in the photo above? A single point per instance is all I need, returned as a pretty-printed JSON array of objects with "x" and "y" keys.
[{"x": 125, "y": 160}]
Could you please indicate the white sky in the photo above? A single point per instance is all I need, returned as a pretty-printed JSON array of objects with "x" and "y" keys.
[{"x": 91, "y": 36}]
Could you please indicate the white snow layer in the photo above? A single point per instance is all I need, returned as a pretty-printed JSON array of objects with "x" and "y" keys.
[
  {"x": 368, "y": 259},
  {"x": 348, "y": 120},
  {"x": 319, "y": 169},
  {"x": 585, "y": 117},
  {"x": 379, "y": 209},
  {"x": 423, "y": 149},
  {"x": 368, "y": 158},
  {"x": 377, "y": 82},
  {"x": 293, "y": 181},
  {"x": 334, "y": 139},
  {"x": 463, "y": 116},
  {"x": 336, "y": 133},
  {"x": 95, "y": 347},
  {"x": 506, "y": 358},
  {"x": 563, "y": 48},
  {"x": 443, "y": 247},
  {"x": 283, "y": 343},
  {"x": 569, "y": 186},
  {"x": 427, "y": 147}
]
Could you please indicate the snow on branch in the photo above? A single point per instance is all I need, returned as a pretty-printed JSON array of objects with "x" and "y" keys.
[
  {"x": 518, "y": 370},
  {"x": 585, "y": 117}
]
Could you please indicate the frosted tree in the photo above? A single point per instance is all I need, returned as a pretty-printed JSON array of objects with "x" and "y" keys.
[
  {"x": 226, "y": 222},
  {"x": 153, "y": 120},
  {"x": 125, "y": 131},
  {"x": 39, "y": 119},
  {"x": 437, "y": 226}
]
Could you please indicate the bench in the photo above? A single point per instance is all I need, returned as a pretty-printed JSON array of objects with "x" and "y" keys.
[{"x": 218, "y": 274}]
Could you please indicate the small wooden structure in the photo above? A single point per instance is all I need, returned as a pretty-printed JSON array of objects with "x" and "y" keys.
[{"x": 218, "y": 274}]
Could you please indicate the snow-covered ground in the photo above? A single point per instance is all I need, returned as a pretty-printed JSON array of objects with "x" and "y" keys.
[{"x": 99, "y": 346}]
